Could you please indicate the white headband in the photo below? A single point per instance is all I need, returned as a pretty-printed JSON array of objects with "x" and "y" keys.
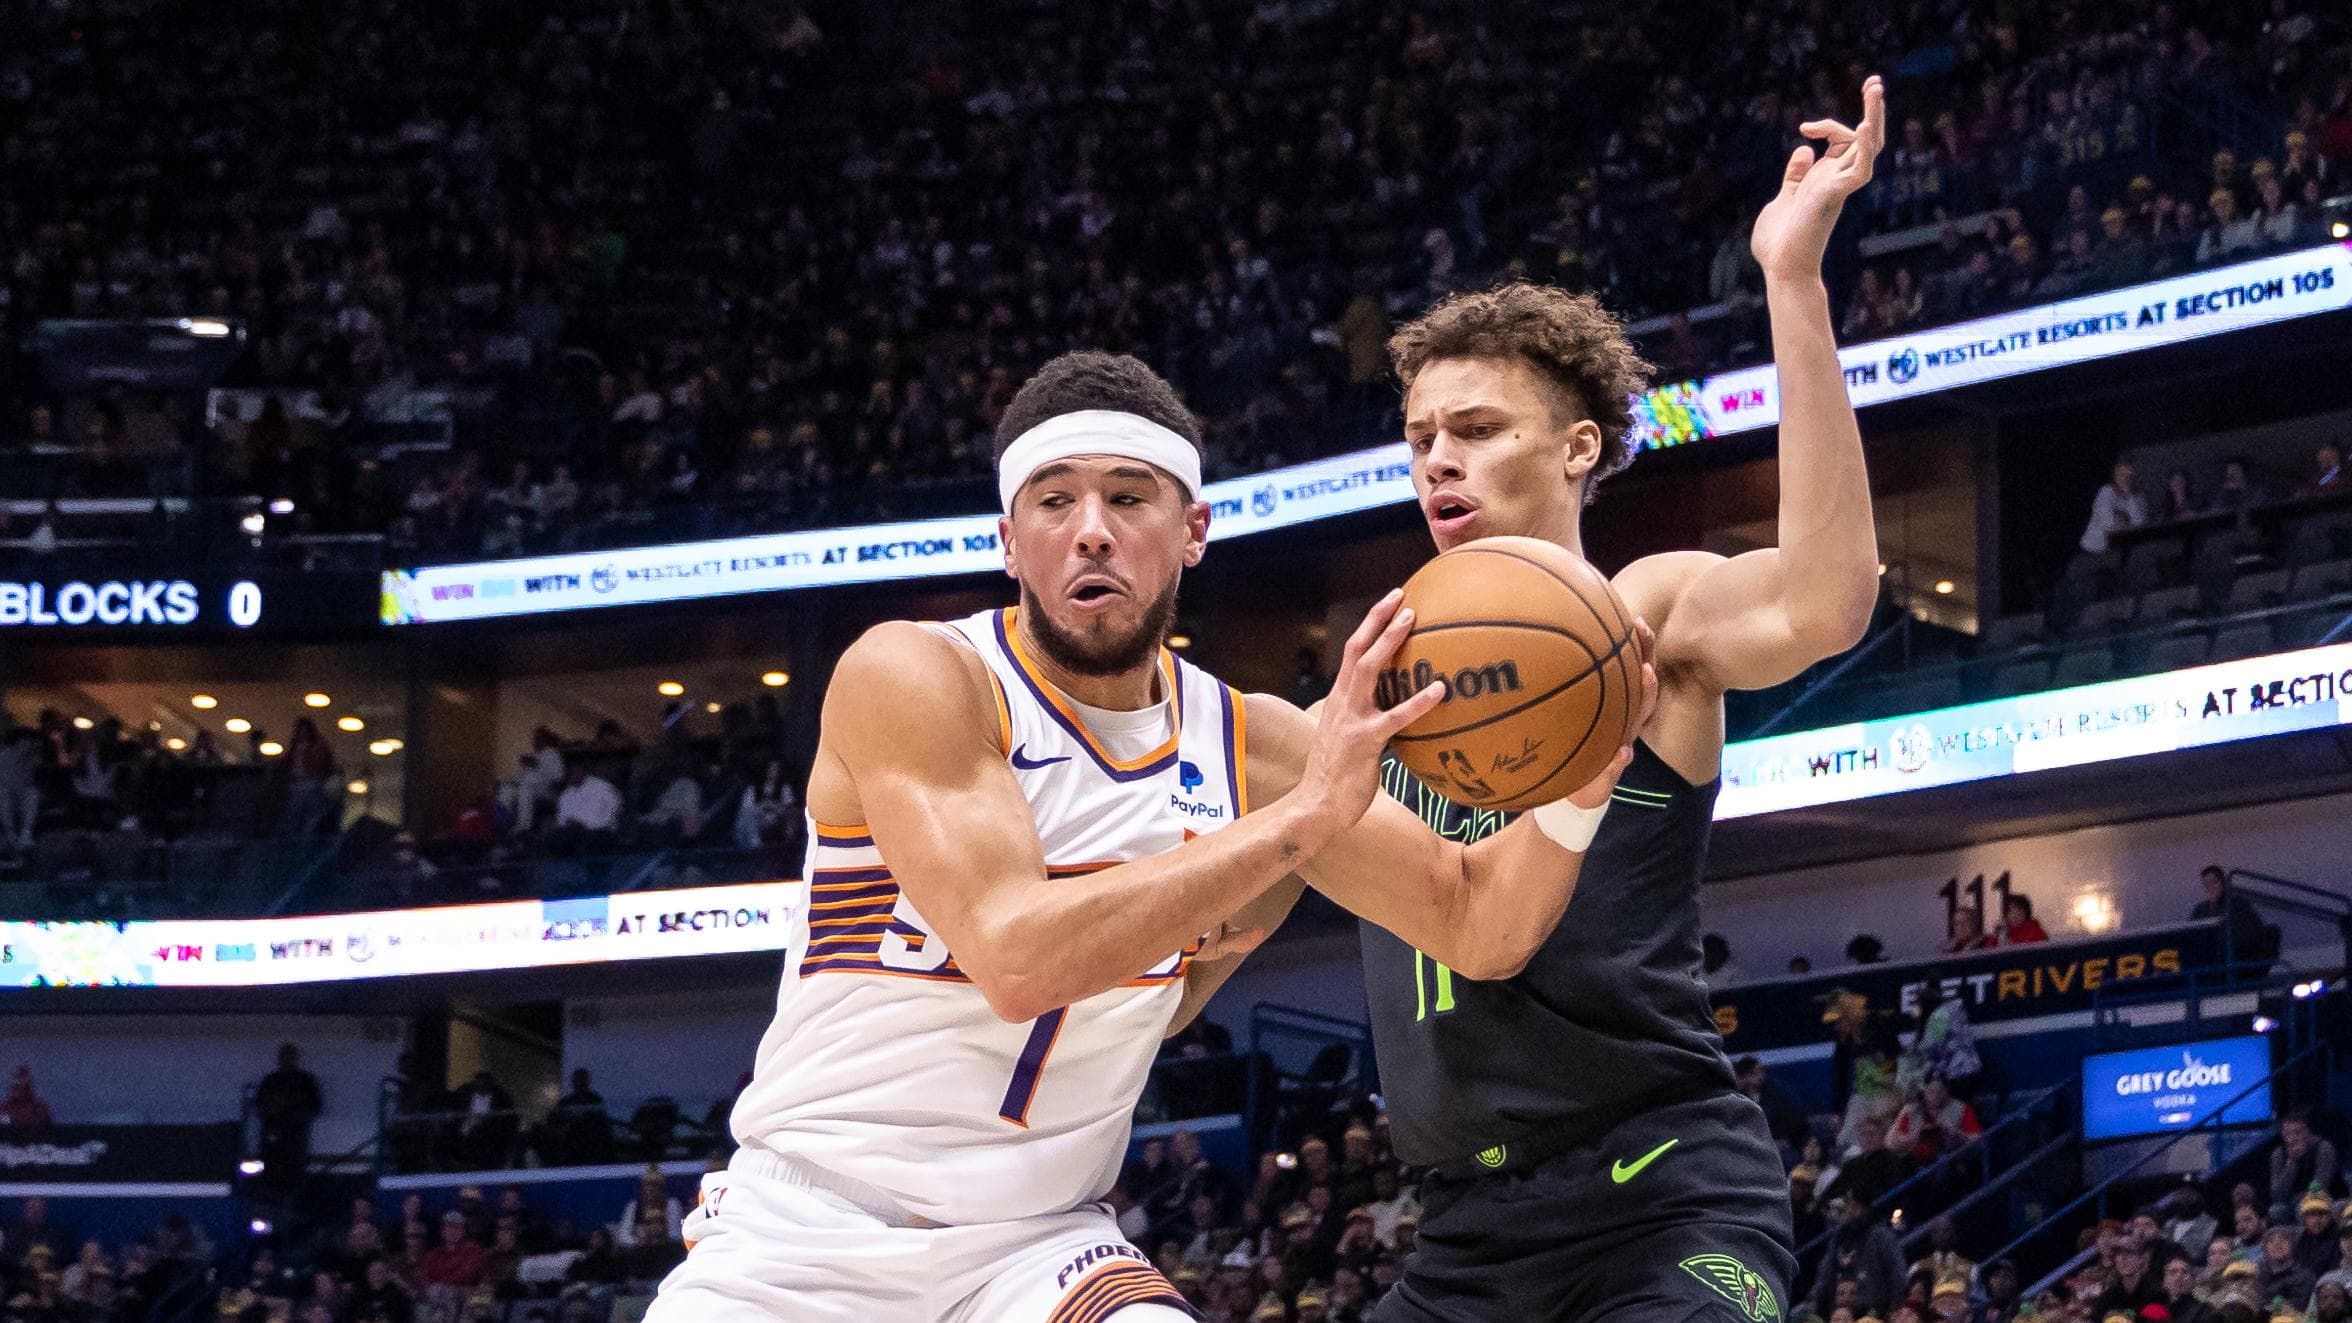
[{"x": 1097, "y": 432}]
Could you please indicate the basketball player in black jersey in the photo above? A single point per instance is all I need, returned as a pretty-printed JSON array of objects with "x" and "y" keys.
[{"x": 1591, "y": 1160}]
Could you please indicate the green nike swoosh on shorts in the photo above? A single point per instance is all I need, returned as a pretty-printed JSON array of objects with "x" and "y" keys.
[{"x": 1620, "y": 1172}]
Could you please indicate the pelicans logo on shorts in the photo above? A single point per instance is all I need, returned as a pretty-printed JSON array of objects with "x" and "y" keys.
[{"x": 1731, "y": 1279}]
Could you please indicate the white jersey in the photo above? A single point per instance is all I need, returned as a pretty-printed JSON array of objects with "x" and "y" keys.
[{"x": 886, "y": 1067}]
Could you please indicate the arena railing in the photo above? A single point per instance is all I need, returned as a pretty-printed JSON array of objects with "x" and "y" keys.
[{"x": 1980, "y": 1153}]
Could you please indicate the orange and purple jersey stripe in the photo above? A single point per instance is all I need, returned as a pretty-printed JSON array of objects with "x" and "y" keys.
[
  {"x": 1109, "y": 1289},
  {"x": 850, "y": 912}
]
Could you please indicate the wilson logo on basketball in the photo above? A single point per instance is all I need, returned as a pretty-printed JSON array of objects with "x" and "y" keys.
[{"x": 1398, "y": 683}]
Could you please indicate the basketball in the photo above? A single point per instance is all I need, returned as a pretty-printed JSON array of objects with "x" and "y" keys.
[{"x": 1540, "y": 669}]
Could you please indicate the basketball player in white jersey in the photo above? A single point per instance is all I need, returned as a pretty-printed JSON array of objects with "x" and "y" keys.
[{"x": 1027, "y": 826}]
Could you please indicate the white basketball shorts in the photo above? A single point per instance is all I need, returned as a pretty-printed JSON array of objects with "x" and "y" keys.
[{"x": 772, "y": 1241}]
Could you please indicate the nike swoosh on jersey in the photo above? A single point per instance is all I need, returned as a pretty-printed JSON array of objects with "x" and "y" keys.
[
  {"x": 1024, "y": 762},
  {"x": 1621, "y": 1171}
]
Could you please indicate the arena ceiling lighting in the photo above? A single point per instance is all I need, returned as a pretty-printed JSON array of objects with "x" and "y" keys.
[
  {"x": 203, "y": 702},
  {"x": 269, "y": 748},
  {"x": 237, "y": 726},
  {"x": 670, "y": 689},
  {"x": 351, "y": 724},
  {"x": 316, "y": 699},
  {"x": 2175, "y": 310},
  {"x": 776, "y": 679}
]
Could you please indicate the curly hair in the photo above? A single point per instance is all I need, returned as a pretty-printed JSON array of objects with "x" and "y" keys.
[
  {"x": 1569, "y": 339},
  {"x": 1090, "y": 379}
]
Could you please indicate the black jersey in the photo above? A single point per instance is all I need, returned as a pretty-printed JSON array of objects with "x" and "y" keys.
[{"x": 1608, "y": 1017}]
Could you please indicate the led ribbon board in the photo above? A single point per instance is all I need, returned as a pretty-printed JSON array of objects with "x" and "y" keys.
[
  {"x": 2171, "y": 311},
  {"x": 2093, "y": 723},
  {"x": 456, "y": 939}
]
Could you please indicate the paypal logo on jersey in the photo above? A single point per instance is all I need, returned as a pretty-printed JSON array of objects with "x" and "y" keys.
[{"x": 1188, "y": 776}]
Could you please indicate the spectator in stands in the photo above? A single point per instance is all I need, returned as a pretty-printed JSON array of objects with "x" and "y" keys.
[
  {"x": 1782, "y": 1116},
  {"x": 2282, "y": 1278},
  {"x": 2001, "y": 1288},
  {"x": 1866, "y": 949},
  {"x": 2316, "y": 1250},
  {"x": 1861, "y": 1038},
  {"x": 455, "y": 1263},
  {"x": 1945, "y": 1044},
  {"x": 2186, "y": 1223},
  {"x": 1799, "y": 964},
  {"x": 2327, "y": 473},
  {"x": 538, "y": 777},
  {"x": 1871, "y": 1167},
  {"x": 2342, "y": 1272},
  {"x": 1943, "y": 1261},
  {"x": 578, "y": 1129},
  {"x": 486, "y": 1122},
  {"x": 1932, "y": 1123},
  {"x": 653, "y": 1204},
  {"x": 1863, "y": 1251},
  {"x": 2220, "y": 1253},
  {"x": 2245, "y": 924},
  {"x": 587, "y": 813},
  {"x": 310, "y": 774},
  {"x": 600, "y": 1264},
  {"x": 770, "y": 810},
  {"x": 2180, "y": 500},
  {"x": 287, "y": 1101},
  {"x": 2331, "y": 1302},
  {"x": 2135, "y": 1282},
  {"x": 2019, "y": 927},
  {"x": 1966, "y": 932},
  {"x": 409, "y": 878},
  {"x": 2302, "y": 1163},
  {"x": 2179, "y": 1295},
  {"x": 2238, "y": 491},
  {"x": 382, "y": 1296},
  {"x": 24, "y": 1114},
  {"x": 2117, "y": 507},
  {"x": 2247, "y": 1224},
  {"x": 2228, "y": 232},
  {"x": 74, "y": 1281},
  {"x": 1393, "y": 1202}
]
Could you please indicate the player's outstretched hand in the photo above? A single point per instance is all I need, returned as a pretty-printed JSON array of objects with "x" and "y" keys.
[
  {"x": 1343, "y": 770},
  {"x": 1595, "y": 793},
  {"x": 1792, "y": 232}
]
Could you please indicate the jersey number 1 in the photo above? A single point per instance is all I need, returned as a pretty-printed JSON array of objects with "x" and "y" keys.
[{"x": 1031, "y": 1067}]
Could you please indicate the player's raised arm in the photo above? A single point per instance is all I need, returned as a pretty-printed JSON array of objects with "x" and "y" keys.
[
  {"x": 1758, "y": 619},
  {"x": 1481, "y": 909},
  {"x": 910, "y": 720}
]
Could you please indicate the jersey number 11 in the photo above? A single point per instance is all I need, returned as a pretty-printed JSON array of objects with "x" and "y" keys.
[{"x": 1423, "y": 980}]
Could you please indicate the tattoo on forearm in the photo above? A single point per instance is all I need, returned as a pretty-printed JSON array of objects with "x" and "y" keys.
[{"x": 1290, "y": 852}]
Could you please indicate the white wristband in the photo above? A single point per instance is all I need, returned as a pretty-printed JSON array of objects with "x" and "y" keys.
[{"x": 1571, "y": 827}]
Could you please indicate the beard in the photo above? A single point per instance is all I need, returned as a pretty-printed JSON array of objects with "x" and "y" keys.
[{"x": 1105, "y": 655}]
